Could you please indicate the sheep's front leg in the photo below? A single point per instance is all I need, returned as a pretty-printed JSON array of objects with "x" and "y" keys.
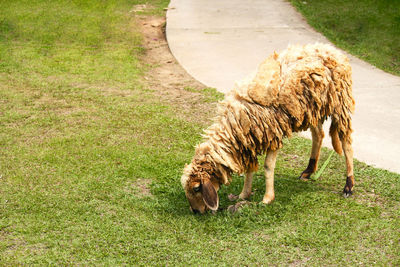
[
  {"x": 269, "y": 166},
  {"x": 246, "y": 191}
]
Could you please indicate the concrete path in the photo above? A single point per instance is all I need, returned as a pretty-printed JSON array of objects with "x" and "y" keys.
[{"x": 220, "y": 42}]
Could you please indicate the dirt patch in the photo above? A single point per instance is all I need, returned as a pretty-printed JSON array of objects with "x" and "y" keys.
[
  {"x": 140, "y": 188},
  {"x": 166, "y": 76}
]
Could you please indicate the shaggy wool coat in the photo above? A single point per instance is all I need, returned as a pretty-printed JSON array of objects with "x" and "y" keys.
[{"x": 290, "y": 92}]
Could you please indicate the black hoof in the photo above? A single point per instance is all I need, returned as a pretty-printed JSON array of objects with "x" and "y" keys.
[
  {"x": 305, "y": 176},
  {"x": 347, "y": 191},
  {"x": 347, "y": 194}
]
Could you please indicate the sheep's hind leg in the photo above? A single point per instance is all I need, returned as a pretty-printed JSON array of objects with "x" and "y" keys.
[
  {"x": 269, "y": 166},
  {"x": 348, "y": 153},
  {"x": 317, "y": 134}
]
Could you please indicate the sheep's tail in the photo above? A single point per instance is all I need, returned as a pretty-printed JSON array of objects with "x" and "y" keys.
[{"x": 334, "y": 133}]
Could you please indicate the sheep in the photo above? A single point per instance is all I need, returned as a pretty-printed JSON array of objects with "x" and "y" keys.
[{"x": 293, "y": 91}]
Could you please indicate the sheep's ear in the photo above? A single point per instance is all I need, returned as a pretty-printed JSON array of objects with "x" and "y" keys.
[{"x": 210, "y": 195}]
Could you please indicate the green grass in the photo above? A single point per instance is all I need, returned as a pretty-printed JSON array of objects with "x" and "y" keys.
[
  {"x": 368, "y": 29},
  {"x": 211, "y": 95},
  {"x": 82, "y": 136}
]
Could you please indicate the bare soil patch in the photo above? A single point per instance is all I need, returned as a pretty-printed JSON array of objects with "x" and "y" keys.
[{"x": 166, "y": 76}]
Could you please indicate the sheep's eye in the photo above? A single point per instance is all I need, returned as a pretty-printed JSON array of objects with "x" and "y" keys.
[{"x": 196, "y": 188}]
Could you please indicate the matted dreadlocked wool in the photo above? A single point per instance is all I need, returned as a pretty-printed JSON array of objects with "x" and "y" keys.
[{"x": 289, "y": 93}]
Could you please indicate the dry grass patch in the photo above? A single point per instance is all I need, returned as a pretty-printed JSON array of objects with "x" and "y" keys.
[{"x": 140, "y": 188}]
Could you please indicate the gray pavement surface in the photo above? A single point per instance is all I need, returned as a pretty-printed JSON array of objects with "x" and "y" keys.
[{"x": 220, "y": 42}]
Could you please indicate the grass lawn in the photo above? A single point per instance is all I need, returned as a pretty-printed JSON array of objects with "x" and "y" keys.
[
  {"x": 367, "y": 29},
  {"x": 91, "y": 157}
]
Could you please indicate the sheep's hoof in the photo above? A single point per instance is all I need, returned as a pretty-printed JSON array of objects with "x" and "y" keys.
[
  {"x": 305, "y": 176},
  {"x": 245, "y": 196},
  {"x": 242, "y": 196},
  {"x": 268, "y": 200},
  {"x": 347, "y": 194},
  {"x": 348, "y": 188}
]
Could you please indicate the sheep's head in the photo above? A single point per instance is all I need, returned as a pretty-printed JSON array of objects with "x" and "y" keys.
[{"x": 200, "y": 187}]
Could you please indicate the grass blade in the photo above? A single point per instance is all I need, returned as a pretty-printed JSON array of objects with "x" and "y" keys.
[{"x": 321, "y": 170}]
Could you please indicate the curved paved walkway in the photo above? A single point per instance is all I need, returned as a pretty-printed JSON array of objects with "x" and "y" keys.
[{"x": 220, "y": 42}]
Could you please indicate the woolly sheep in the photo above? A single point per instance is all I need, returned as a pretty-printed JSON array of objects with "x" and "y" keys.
[{"x": 295, "y": 90}]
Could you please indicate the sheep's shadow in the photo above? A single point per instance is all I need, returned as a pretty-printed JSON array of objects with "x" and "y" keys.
[{"x": 289, "y": 190}]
